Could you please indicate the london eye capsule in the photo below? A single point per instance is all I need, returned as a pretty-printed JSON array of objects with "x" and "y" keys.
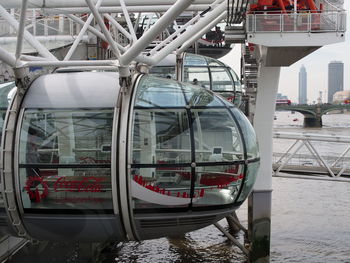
[
  {"x": 91, "y": 162},
  {"x": 203, "y": 71}
]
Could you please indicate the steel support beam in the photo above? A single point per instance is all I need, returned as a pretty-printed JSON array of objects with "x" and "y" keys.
[
  {"x": 29, "y": 37},
  {"x": 118, "y": 9},
  {"x": 189, "y": 33},
  {"x": 259, "y": 204},
  {"x": 20, "y": 30},
  {"x": 155, "y": 30},
  {"x": 81, "y": 34},
  {"x": 103, "y": 27},
  {"x": 82, "y": 3},
  {"x": 7, "y": 57},
  {"x": 201, "y": 32}
]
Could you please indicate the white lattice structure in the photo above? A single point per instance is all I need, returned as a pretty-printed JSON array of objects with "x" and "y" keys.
[{"x": 122, "y": 40}]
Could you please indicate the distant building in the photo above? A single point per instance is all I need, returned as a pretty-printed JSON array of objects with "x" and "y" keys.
[
  {"x": 341, "y": 97},
  {"x": 280, "y": 96},
  {"x": 335, "y": 78},
  {"x": 302, "y": 98}
]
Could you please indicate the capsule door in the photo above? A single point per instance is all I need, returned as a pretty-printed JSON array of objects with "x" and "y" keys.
[{"x": 65, "y": 151}]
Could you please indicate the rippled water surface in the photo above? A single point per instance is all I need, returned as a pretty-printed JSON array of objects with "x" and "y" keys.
[{"x": 310, "y": 222}]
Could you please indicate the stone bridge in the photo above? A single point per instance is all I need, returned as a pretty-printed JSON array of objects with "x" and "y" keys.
[{"x": 313, "y": 113}]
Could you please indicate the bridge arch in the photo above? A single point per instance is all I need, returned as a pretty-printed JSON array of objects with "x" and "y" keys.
[
  {"x": 311, "y": 117},
  {"x": 313, "y": 113}
]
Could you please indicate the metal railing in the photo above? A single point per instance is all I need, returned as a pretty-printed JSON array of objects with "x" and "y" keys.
[
  {"x": 304, "y": 155},
  {"x": 302, "y": 22},
  {"x": 45, "y": 26}
]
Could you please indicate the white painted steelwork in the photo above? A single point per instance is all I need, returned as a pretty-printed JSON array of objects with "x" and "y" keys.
[
  {"x": 64, "y": 38},
  {"x": 335, "y": 165},
  {"x": 296, "y": 29},
  {"x": 118, "y": 9},
  {"x": 27, "y": 36},
  {"x": 263, "y": 120},
  {"x": 82, "y": 3},
  {"x": 330, "y": 21},
  {"x": 81, "y": 33},
  {"x": 123, "y": 53}
]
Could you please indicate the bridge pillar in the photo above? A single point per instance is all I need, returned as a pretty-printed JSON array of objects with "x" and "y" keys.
[
  {"x": 259, "y": 203},
  {"x": 314, "y": 121}
]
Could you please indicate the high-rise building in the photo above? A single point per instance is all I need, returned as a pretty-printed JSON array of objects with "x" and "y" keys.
[
  {"x": 302, "y": 98},
  {"x": 335, "y": 78}
]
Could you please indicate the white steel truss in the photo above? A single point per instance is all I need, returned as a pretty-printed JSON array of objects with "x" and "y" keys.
[
  {"x": 336, "y": 166},
  {"x": 105, "y": 14}
]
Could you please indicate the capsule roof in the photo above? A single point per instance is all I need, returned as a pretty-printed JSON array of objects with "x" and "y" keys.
[{"x": 73, "y": 90}]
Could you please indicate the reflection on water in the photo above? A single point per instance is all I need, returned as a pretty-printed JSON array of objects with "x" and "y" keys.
[
  {"x": 310, "y": 221},
  {"x": 205, "y": 245}
]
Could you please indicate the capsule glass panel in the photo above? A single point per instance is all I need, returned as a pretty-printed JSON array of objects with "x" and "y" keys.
[
  {"x": 221, "y": 79},
  {"x": 194, "y": 60},
  {"x": 217, "y": 138},
  {"x": 187, "y": 149},
  {"x": 217, "y": 184},
  {"x": 160, "y": 94},
  {"x": 248, "y": 132},
  {"x": 198, "y": 97},
  {"x": 238, "y": 85},
  {"x": 164, "y": 72},
  {"x": 197, "y": 76},
  {"x": 161, "y": 136},
  {"x": 65, "y": 159},
  {"x": 249, "y": 180}
]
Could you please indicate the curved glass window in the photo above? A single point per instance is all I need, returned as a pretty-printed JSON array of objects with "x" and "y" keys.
[
  {"x": 238, "y": 85},
  {"x": 221, "y": 80},
  {"x": 214, "y": 63},
  {"x": 159, "y": 94},
  {"x": 248, "y": 133},
  {"x": 161, "y": 136},
  {"x": 197, "y": 76},
  {"x": 65, "y": 159},
  {"x": 198, "y": 97},
  {"x": 185, "y": 152},
  {"x": 163, "y": 72},
  {"x": 205, "y": 72},
  {"x": 217, "y": 185},
  {"x": 249, "y": 180},
  {"x": 217, "y": 138},
  {"x": 194, "y": 60}
]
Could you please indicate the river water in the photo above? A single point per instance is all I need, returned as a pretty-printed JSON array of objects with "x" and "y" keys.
[{"x": 310, "y": 220}]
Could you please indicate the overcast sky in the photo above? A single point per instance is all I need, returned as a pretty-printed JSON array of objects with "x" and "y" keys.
[{"x": 316, "y": 65}]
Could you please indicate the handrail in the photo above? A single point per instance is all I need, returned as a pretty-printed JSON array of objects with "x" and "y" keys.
[
  {"x": 323, "y": 21},
  {"x": 336, "y": 8},
  {"x": 311, "y": 137},
  {"x": 336, "y": 166}
]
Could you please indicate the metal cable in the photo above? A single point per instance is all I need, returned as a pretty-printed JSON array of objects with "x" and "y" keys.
[{"x": 236, "y": 11}]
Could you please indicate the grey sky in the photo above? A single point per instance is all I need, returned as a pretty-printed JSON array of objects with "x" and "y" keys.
[{"x": 316, "y": 65}]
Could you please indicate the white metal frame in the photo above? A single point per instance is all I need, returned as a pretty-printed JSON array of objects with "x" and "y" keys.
[
  {"x": 300, "y": 140},
  {"x": 183, "y": 37},
  {"x": 330, "y": 20}
]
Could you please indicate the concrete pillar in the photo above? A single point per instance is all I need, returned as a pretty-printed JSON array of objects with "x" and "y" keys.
[
  {"x": 259, "y": 204},
  {"x": 314, "y": 122}
]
